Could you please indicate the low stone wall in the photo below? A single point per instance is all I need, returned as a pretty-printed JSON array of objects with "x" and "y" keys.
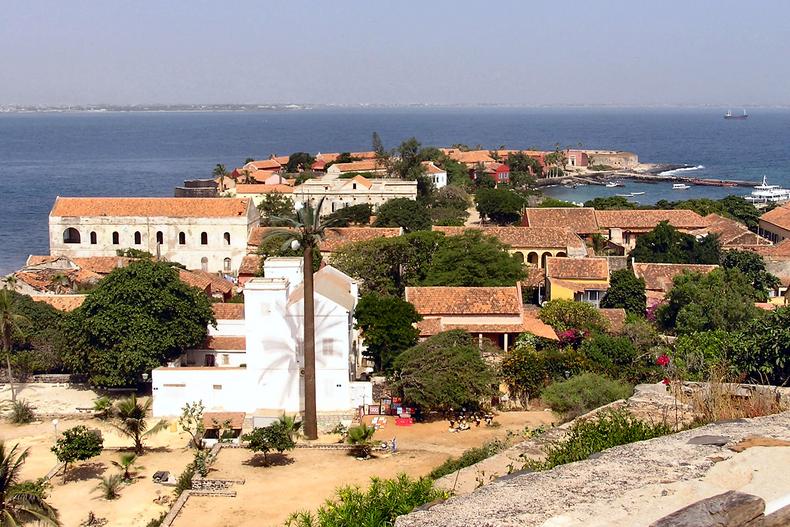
[
  {"x": 327, "y": 421},
  {"x": 213, "y": 485}
]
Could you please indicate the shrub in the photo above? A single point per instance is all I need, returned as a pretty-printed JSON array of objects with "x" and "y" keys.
[
  {"x": 21, "y": 412},
  {"x": 468, "y": 458},
  {"x": 588, "y": 436},
  {"x": 582, "y": 393},
  {"x": 185, "y": 479},
  {"x": 563, "y": 315},
  {"x": 109, "y": 486},
  {"x": 524, "y": 370},
  {"x": 157, "y": 522},
  {"x": 103, "y": 407},
  {"x": 361, "y": 436},
  {"x": 617, "y": 357},
  {"x": 379, "y": 505},
  {"x": 77, "y": 444},
  {"x": 277, "y": 436}
]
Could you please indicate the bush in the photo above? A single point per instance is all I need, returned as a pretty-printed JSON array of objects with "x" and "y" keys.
[
  {"x": 582, "y": 393},
  {"x": 361, "y": 436},
  {"x": 384, "y": 500},
  {"x": 109, "y": 486},
  {"x": 617, "y": 358},
  {"x": 524, "y": 370},
  {"x": 563, "y": 315},
  {"x": 21, "y": 412},
  {"x": 468, "y": 458},
  {"x": 588, "y": 436},
  {"x": 185, "y": 479}
]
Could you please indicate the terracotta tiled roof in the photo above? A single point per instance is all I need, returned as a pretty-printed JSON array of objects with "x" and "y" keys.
[
  {"x": 766, "y": 306},
  {"x": 780, "y": 216},
  {"x": 225, "y": 343},
  {"x": 529, "y": 324},
  {"x": 780, "y": 249},
  {"x": 577, "y": 268},
  {"x": 580, "y": 220},
  {"x": 102, "y": 264},
  {"x": 430, "y": 326},
  {"x": 216, "y": 282},
  {"x": 250, "y": 265},
  {"x": 282, "y": 160},
  {"x": 195, "y": 280},
  {"x": 257, "y": 234},
  {"x": 215, "y": 420},
  {"x": 525, "y": 237},
  {"x": 327, "y": 157},
  {"x": 264, "y": 164},
  {"x": 228, "y": 311},
  {"x": 616, "y": 318},
  {"x": 358, "y": 166},
  {"x": 364, "y": 155},
  {"x": 731, "y": 233},
  {"x": 471, "y": 157},
  {"x": 430, "y": 168},
  {"x": 151, "y": 207},
  {"x": 659, "y": 276},
  {"x": 259, "y": 188},
  {"x": 465, "y": 300},
  {"x": 535, "y": 277},
  {"x": 61, "y": 302},
  {"x": 337, "y": 237},
  {"x": 648, "y": 219},
  {"x": 360, "y": 181}
]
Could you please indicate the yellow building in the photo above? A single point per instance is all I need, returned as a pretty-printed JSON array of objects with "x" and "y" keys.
[{"x": 580, "y": 279}]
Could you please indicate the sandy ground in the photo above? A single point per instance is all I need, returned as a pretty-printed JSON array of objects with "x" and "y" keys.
[
  {"x": 47, "y": 398},
  {"x": 270, "y": 494}
]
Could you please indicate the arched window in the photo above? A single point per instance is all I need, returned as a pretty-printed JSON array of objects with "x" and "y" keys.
[
  {"x": 532, "y": 259},
  {"x": 561, "y": 254},
  {"x": 226, "y": 265},
  {"x": 71, "y": 235},
  {"x": 203, "y": 238},
  {"x": 226, "y": 236},
  {"x": 93, "y": 238},
  {"x": 160, "y": 238},
  {"x": 204, "y": 264},
  {"x": 543, "y": 259},
  {"x": 182, "y": 238},
  {"x": 116, "y": 239},
  {"x": 138, "y": 238}
]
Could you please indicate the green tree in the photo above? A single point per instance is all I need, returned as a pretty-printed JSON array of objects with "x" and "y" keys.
[
  {"x": 444, "y": 372},
  {"x": 126, "y": 464},
  {"x": 345, "y": 157},
  {"x": 276, "y": 436},
  {"x": 220, "y": 173},
  {"x": 722, "y": 299},
  {"x": 752, "y": 266},
  {"x": 520, "y": 162},
  {"x": 403, "y": 212},
  {"x": 138, "y": 318},
  {"x": 22, "y": 502},
  {"x": 275, "y": 205},
  {"x": 191, "y": 422},
  {"x": 665, "y": 244},
  {"x": 611, "y": 203},
  {"x": 457, "y": 172},
  {"x": 408, "y": 163},
  {"x": 275, "y": 247},
  {"x": 387, "y": 325},
  {"x": 131, "y": 416},
  {"x": 353, "y": 215},
  {"x": 361, "y": 438},
  {"x": 549, "y": 202},
  {"x": 697, "y": 355},
  {"x": 473, "y": 259},
  {"x": 626, "y": 291},
  {"x": 299, "y": 161},
  {"x": 524, "y": 371},
  {"x": 306, "y": 231},
  {"x": 77, "y": 444},
  {"x": 10, "y": 322},
  {"x": 563, "y": 315},
  {"x": 762, "y": 350},
  {"x": 502, "y": 206},
  {"x": 618, "y": 358}
]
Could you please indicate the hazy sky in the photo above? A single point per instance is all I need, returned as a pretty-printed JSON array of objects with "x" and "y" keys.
[{"x": 377, "y": 51}]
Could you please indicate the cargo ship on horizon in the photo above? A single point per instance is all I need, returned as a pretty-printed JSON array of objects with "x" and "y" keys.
[{"x": 730, "y": 115}]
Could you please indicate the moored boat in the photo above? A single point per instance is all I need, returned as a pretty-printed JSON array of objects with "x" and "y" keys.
[
  {"x": 765, "y": 193},
  {"x": 679, "y": 186}
]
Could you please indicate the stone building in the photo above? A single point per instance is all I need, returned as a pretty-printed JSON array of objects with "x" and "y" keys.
[
  {"x": 339, "y": 193},
  {"x": 201, "y": 233}
]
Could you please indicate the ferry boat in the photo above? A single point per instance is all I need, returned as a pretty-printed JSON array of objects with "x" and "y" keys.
[
  {"x": 730, "y": 115},
  {"x": 765, "y": 193},
  {"x": 613, "y": 184},
  {"x": 679, "y": 186}
]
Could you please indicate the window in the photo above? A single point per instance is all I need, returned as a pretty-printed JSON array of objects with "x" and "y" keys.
[
  {"x": 138, "y": 238},
  {"x": 225, "y": 359},
  {"x": 71, "y": 235},
  {"x": 182, "y": 238},
  {"x": 203, "y": 238},
  {"x": 226, "y": 265},
  {"x": 160, "y": 238},
  {"x": 204, "y": 264},
  {"x": 93, "y": 238},
  {"x": 217, "y": 386},
  {"x": 208, "y": 361},
  {"x": 226, "y": 237},
  {"x": 116, "y": 239}
]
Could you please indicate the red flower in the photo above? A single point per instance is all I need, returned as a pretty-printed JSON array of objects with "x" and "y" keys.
[
  {"x": 665, "y": 381},
  {"x": 663, "y": 360}
]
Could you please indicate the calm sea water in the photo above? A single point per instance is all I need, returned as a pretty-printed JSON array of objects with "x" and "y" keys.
[{"x": 147, "y": 154}]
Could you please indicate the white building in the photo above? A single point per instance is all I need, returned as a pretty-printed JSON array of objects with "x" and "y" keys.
[
  {"x": 339, "y": 193},
  {"x": 437, "y": 175},
  {"x": 253, "y": 360},
  {"x": 200, "y": 233}
]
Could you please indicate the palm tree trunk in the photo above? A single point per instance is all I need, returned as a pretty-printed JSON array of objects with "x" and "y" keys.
[
  {"x": 7, "y": 350},
  {"x": 310, "y": 414}
]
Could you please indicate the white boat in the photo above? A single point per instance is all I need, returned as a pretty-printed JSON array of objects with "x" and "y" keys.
[
  {"x": 613, "y": 184},
  {"x": 637, "y": 193},
  {"x": 679, "y": 186},
  {"x": 765, "y": 193}
]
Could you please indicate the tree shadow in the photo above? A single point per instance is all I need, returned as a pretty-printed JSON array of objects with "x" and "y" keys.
[
  {"x": 86, "y": 471},
  {"x": 272, "y": 460}
]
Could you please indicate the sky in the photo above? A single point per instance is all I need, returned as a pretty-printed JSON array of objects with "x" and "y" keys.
[{"x": 672, "y": 52}]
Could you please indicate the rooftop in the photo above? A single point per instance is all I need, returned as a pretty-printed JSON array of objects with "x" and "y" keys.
[
  {"x": 525, "y": 237},
  {"x": 465, "y": 300},
  {"x": 659, "y": 276},
  {"x": 221, "y": 343},
  {"x": 580, "y": 220},
  {"x": 337, "y": 237},
  {"x": 151, "y": 207},
  {"x": 250, "y": 264},
  {"x": 649, "y": 219},
  {"x": 261, "y": 188},
  {"x": 358, "y": 166},
  {"x": 780, "y": 216},
  {"x": 228, "y": 311},
  {"x": 61, "y": 302},
  {"x": 577, "y": 268}
]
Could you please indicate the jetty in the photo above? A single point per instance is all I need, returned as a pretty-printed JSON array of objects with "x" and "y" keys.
[{"x": 654, "y": 175}]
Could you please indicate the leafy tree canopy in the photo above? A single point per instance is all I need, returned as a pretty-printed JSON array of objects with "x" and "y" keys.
[
  {"x": 275, "y": 205},
  {"x": 611, "y": 203},
  {"x": 554, "y": 202},
  {"x": 77, "y": 444},
  {"x": 39, "y": 323},
  {"x": 722, "y": 299},
  {"x": 457, "y": 172},
  {"x": 403, "y": 212},
  {"x": 665, "y": 244},
  {"x": 563, "y": 315},
  {"x": 502, "y": 206},
  {"x": 735, "y": 207},
  {"x": 523, "y": 163},
  {"x": 443, "y": 373},
  {"x": 353, "y": 215},
  {"x": 626, "y": 291},
  {"x": 136, "y": 319},
  {"x": 762, "y": 350},
  {"x": 387, "y": 327},
  {"x": 473, "y": 259},
  {"x": 299, "y": 161},
  {"x": 752, "y": 266}
]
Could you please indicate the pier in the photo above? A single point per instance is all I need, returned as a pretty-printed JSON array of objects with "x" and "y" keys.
[{"x": 603, "y": 178}]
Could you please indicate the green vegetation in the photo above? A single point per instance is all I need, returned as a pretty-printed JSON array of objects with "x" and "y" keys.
[
  {"x": 272, "y": 247},
  {"x": 583, "y": 393},
  {"x": 403, "y": 212},
  {"x": 468, "y": 458},
  {"x": 191, "y": 422},
  {"x": 752, "y": 266},
  {"x": 762, "y": 350},
  {"x": 499, "y": 205},
  {"x": 21, "y": 412},
  {"x": 665, "y": 244},
  {"x": 22, "y": 502},
  {"x": 521, "y": 163},
  {"x": 279, "y": 436},
  {"x": 275, "y": 206},
  {"x": 77, "y": 444},
  {"x": 611, "y": 203},
  {"x": 378, "y": 506},
  {"x": 564, "y": 315},
  {"x": 137, "y": 318},
  {"x": 588, "y": 436},
  {"x": 30, "y": 336},
  {"x": 734, "y": 207},
  {"x": 131, "y": 417},
  {"x": 353, "y": 215},
  {"x": 299, "y": 161},
  {"x": 618, "y": 358},
  {"x": 553, "y": 202},
  {"x": 126, "y": 464},
  {"x": 387, "y": 323},
  {"x": 185, "y": 480},
  {"x": 444, "y": 372},
  {"x": 626, "y": 291},
  {"x": 361, "y": 437},
  {"x": 525, "y": 371},
  {"x": 110, "y": 486}
]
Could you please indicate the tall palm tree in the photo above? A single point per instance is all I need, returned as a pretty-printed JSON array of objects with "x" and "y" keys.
[
  {"x": 131, "y": 415},
  {"x": 9, "y": 324},
  {"x": 220, "y": 172},
  {"x": 21, "y": 502},
  {"x": 306, "y": 230}
]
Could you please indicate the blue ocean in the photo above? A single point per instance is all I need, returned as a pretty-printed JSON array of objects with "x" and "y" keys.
[{"x": 44, "y": 155}]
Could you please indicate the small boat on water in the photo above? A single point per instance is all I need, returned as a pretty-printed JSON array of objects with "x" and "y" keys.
[
  {"x": 623, "y": 195},
  {"x": 765, "y": 193},
  {"x": 679, "y": 186},
  {"x": 613, "y": 184},
  {"x": 730, "y": 116},
  {"x": 637, "y": 193}
]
